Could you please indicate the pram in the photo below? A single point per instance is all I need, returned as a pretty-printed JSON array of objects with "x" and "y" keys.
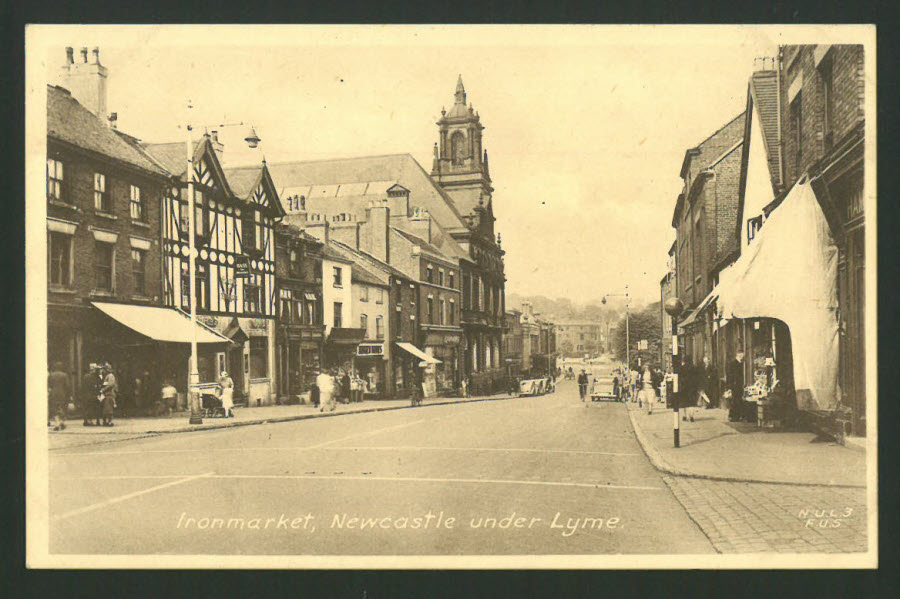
[{"x": 211, "y": 406}]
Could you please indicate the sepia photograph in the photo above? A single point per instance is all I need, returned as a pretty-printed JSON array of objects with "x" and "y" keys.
[{"x": 331, "y": 297}]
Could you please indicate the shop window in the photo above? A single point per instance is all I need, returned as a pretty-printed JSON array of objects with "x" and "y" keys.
[
  {"x": 104, "y": 258},
  {"x": 55, "y": 187},
  {"x": 60, "y": 254},
  {"x": 338, "y": 317},
  {"x": 137, "y": 207},
  {"x": 379, "y": 327},
  {"x": 101, "y": 196},
  {"x": 259, "y": 357},
  {"x": 138, "y": 271}
]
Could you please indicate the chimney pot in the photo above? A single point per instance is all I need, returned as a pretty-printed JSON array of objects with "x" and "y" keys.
[
  {"x": 70, "y": 55},
  {"x": 84, "y": 53},
  {"x": 96, "y": 52}
]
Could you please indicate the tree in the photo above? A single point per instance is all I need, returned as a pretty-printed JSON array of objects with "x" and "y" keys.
[{"x": 644, "y": 324}]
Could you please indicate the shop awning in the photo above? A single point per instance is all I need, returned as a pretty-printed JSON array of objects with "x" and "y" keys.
[
  {"x": 346, "y": 336},
  {"x": 162, "y": 324},
  {"x": 789, "y": 272},
  {"x": 409, "y": 347},
  {"x": 698, "y": 310},
  {"x": 310, "y": 296}
]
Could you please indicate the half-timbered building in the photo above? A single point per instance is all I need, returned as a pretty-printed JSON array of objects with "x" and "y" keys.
[{"x": 235, "y": 214}]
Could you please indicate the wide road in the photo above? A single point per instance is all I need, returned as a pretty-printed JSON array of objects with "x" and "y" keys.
[{"x": 543, "y": 475}]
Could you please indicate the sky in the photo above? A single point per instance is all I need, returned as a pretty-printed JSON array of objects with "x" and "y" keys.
[{"x": 586, "y": 127}]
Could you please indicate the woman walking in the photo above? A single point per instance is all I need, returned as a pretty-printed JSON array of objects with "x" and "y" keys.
[{"x": 226, "y": 394}]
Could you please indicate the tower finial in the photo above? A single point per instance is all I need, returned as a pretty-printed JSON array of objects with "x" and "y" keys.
[{"x": 460, "y": 91}]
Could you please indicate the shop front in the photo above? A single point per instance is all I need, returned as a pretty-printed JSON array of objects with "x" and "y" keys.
[
  {"x": 147, "y": 346},
  {"x": 339, "y": 351},
  {"x": 299, "y": 349},
  {"x": 419, "y": 368},
  {"x": 444, "y": 346},
  {"x": 782, "y": 294},
  {"x": 371, "y": 368}
]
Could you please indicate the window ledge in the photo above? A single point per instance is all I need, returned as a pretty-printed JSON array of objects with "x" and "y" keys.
[
  {"x": 61, "y": 289},
  {"x": 141, "y": 298},
  {"x": 101, "y": 293},
  {"x": 105, "y": 215},
  {"x": 140, "y": 223},
  {"x": 61, "y": 204}
]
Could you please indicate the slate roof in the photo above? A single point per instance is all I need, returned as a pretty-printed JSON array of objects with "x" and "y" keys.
[
  {"x": 170, "y": 155},
  {"x": 764, "y": 92},
  {"x": 243, "y": 180},
  {"x": 70, "y": 122},
  {"x": 384, "y": 170},
  {"x": 431, "y": 249}
]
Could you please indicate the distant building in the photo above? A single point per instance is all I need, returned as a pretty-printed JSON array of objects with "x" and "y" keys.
[
  {"x": 575, "y": 338},
  {"x": 667, "y": 291}
]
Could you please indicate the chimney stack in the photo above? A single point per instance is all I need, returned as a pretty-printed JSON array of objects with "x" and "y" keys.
[
  {"x": 86, "y": 80},
  {"x": 376, "y": 232},
  {"x": 420, "y": 224},
  {"x": 218, "y": 146}
]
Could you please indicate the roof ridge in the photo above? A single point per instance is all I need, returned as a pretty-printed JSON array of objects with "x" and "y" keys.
[
  {"x": 720, "y": 129},
  {"x": 292, "y": 162}
]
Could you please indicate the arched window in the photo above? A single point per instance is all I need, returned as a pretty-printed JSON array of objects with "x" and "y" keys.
[{"x": 458, "y": 150}]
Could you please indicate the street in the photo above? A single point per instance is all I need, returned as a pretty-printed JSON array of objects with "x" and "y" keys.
[{"x": 541, "y": 475}]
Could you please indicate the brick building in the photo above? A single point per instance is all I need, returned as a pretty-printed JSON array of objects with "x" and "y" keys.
[
  {"x": 299, "y": 329},
  {"x": 666, "y": 291},
  {"x": 575, "y": 338},
  {"x": 822, "y": 112},
  {"x": 103, "y": 232},
  {"x": 705, "y": 218}
]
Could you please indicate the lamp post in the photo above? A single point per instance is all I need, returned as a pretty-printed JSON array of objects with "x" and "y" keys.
[
  {"x": 252, "y": 140},
  {"x": 627, "y": 331},
  {"x": 673, "y": 308}
]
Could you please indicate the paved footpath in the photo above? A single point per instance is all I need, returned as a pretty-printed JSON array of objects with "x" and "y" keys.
[{"x": 754, "y": 491}]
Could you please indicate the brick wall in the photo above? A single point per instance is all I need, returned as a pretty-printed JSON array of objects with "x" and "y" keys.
[
  {"x": 727, "y": 189},
  {"x": 79, "y": 171},
  {"x": 849, "y": 101}
]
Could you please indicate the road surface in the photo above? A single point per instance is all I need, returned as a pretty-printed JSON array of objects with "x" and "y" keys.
[{"x": 525, "y": 476}]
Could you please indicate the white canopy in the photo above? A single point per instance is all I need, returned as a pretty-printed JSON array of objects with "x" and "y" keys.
[
  {"x": 789, "y": 272},
  {"x": 417, "y": 352},
  {"x": 161, "y": 324}
]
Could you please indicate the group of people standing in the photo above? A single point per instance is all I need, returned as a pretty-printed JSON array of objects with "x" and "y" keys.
[
  {"x": 336, "y": 385},
  {"x": 99, "y": 390}
]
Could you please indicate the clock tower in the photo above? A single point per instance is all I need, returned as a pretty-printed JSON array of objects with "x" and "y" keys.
[{"x": 460, "y": 164}]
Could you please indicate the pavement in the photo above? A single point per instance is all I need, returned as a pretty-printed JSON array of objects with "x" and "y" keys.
[
  {"x": 712, "y": 447},
  {"x": 528, "y": 476},
  {"x": 76, "y": 434}
]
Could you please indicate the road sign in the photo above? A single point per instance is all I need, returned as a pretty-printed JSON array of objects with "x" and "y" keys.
[
  {"x": 642, "y": 344},
  {"x": 242, "y": 267}
]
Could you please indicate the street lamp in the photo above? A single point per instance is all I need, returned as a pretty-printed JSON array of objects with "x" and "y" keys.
[
  {"x": 627, "y": 332},
  {"x": 252, "y": 140},
  {"x": 673, "y": 308}
]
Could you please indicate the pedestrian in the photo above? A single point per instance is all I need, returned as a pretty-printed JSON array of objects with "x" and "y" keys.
[
  {"x": 226, "y": 394},
  {"x": 169, "y": 397},
  {"x": 90, "y": 388},
  {"x": 314, "y": 396},
  {"x": 109, "y": 391},
  {"x": 325, "y": 382},
  {"x": 464, "y": 386},
  {"x": 616, "y": 385},
  {"x": 647, "y": 391},
  {"x": 582, "y": 384},
  {"x": 371, "y": 380},
  {"x": 59, "y": 393},
  {"x": 345, "y": 387},
  {"x": 734, "y": 379}
]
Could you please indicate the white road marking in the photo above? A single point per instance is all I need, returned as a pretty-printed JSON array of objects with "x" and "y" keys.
[
  {"x": 114, "y": 500},
  {"x": 221, "y": 449},
  {"x": 492, "y": 481},
  {"x": 497, "y": 449}
]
